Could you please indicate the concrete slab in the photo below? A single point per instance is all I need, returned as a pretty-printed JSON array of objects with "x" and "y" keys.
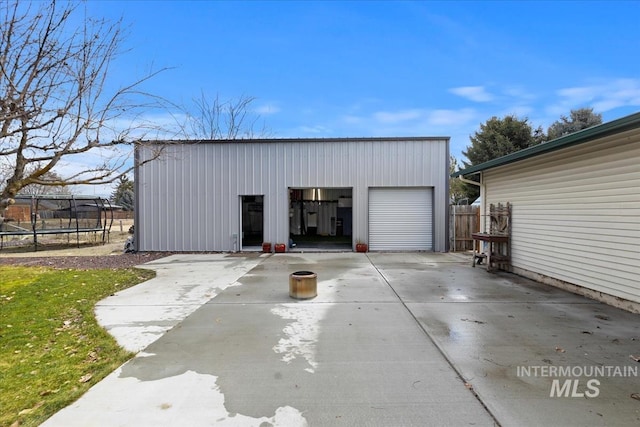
[
  {"x": 342, "y": 277},
  {"x": 429, "y": 277},
  {"x": 503, "y": 349},
  {"x": 253, "y": 356},
  {"x": 391, "y": 339},
  {"x": 139, "y": 315},
  {"x": 505, "y": 335}
]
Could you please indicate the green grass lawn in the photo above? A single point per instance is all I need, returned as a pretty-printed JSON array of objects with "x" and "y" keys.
[{"x": 51, "y": 347}]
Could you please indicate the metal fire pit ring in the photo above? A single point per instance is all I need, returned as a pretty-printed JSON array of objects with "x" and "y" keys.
[{"x": 303, "y": 285}]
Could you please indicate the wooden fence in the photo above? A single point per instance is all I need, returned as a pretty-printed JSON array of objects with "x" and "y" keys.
[
  {"x": 463, "y": 221},
  {"x": 123, "y": 214}
]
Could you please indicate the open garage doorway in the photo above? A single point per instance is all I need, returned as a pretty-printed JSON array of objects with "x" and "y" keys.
[
  {"x": 252, "y": 221},
  {"x": 320, "y": 218}
]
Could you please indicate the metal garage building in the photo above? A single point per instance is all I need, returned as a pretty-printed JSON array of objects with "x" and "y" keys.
[
  {"x": 232, "y": 195},
  {"x": 575, "y": 220}
]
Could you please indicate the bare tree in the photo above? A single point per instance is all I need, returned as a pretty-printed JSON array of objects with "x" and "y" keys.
[
  {"x": 36, "y": 189},
  {"x": 213, "y": 118},
  {"x": 54, "y": 101}
]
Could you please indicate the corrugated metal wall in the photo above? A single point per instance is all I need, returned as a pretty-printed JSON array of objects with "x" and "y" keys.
[
  {"x": 188, "y": 200},
  {"x": 576, "y": 213}
]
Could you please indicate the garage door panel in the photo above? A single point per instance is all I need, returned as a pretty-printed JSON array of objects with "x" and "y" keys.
[{"x": 400, "y": 219}]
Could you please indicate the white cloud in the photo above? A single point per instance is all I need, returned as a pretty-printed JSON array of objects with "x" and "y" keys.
[
  {"x": 394, "y": 117},
  {"x": 151, "y": 126},
  {"x": 120, "y": 157},
  {"x": 473, "y": 93},
  {"x": 267, "y": 109},
  {"x": 352, "y": 120},
  {"x": 104, "y": 191},
  {"x": 519, "y": 93},
  {"x": 315, "y": 130},
  {"x": 431, "y": 118},
  {"x": 450, "y": 117},
  {"x": 79, "y": 163},
  {"x": 408, "y": 122},
  {"x": 602, "y": 96},
  {"x": 579, "y": 94}
]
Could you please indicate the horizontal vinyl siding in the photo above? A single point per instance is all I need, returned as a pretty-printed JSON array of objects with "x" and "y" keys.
[
  {"x": 188, "y": 199},
  {"x": 576, "y": 213}
]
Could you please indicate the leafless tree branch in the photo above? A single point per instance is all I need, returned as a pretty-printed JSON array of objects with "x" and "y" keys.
[
  {"x": 213, "y": 118},
  {"x": 55, "y": 101}
]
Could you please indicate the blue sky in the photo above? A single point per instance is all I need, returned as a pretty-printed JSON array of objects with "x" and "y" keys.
[{"x": 357, "y": 68}]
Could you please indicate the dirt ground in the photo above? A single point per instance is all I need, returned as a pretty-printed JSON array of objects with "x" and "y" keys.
[{"x": 64, "y": 253}]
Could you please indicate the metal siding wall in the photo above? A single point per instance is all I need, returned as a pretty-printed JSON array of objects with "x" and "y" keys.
[
  {"x": 189, "y": 199},
  {"x": 576, "y": 214}
]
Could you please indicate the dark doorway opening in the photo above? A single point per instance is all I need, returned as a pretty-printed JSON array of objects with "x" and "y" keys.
[
  {"x": 252, "y": 220},
  {"x": 320, "y": 218}
]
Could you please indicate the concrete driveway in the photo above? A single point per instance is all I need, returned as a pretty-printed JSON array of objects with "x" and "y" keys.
[{"x": 390, "y": 340}]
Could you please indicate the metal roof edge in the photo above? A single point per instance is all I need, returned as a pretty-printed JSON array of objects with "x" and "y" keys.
[
  {"x": 605, "y": 129},
  {"x": 58, "y": 197},
  {"x": 303, "y": 140}
]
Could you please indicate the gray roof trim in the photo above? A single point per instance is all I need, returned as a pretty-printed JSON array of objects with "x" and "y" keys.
[
  {"x": 29, "y": 197},
  {"x": 610, "y": 128},
  {"x": 299, "y": 140}
]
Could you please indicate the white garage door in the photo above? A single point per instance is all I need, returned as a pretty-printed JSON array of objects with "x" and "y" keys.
[{"x": 400, "y": 219}]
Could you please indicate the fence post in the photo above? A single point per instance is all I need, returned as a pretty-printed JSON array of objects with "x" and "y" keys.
[{"x": 455, "y": 235}]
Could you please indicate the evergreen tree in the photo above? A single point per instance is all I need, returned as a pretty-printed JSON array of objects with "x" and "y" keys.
[
  {"x": 499, "y": 137},
  {"x": 578, "y": 119},
  {"x": 457, "y": 188},
  {"x": 123, "y": 195}
]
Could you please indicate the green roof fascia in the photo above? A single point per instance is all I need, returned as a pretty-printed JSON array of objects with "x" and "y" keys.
[{"x": 615, "y": 126}]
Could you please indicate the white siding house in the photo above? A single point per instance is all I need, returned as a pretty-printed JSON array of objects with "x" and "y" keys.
[
  {"x": 211, "y": 195},
  {"x": 575, "y": 218}
]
